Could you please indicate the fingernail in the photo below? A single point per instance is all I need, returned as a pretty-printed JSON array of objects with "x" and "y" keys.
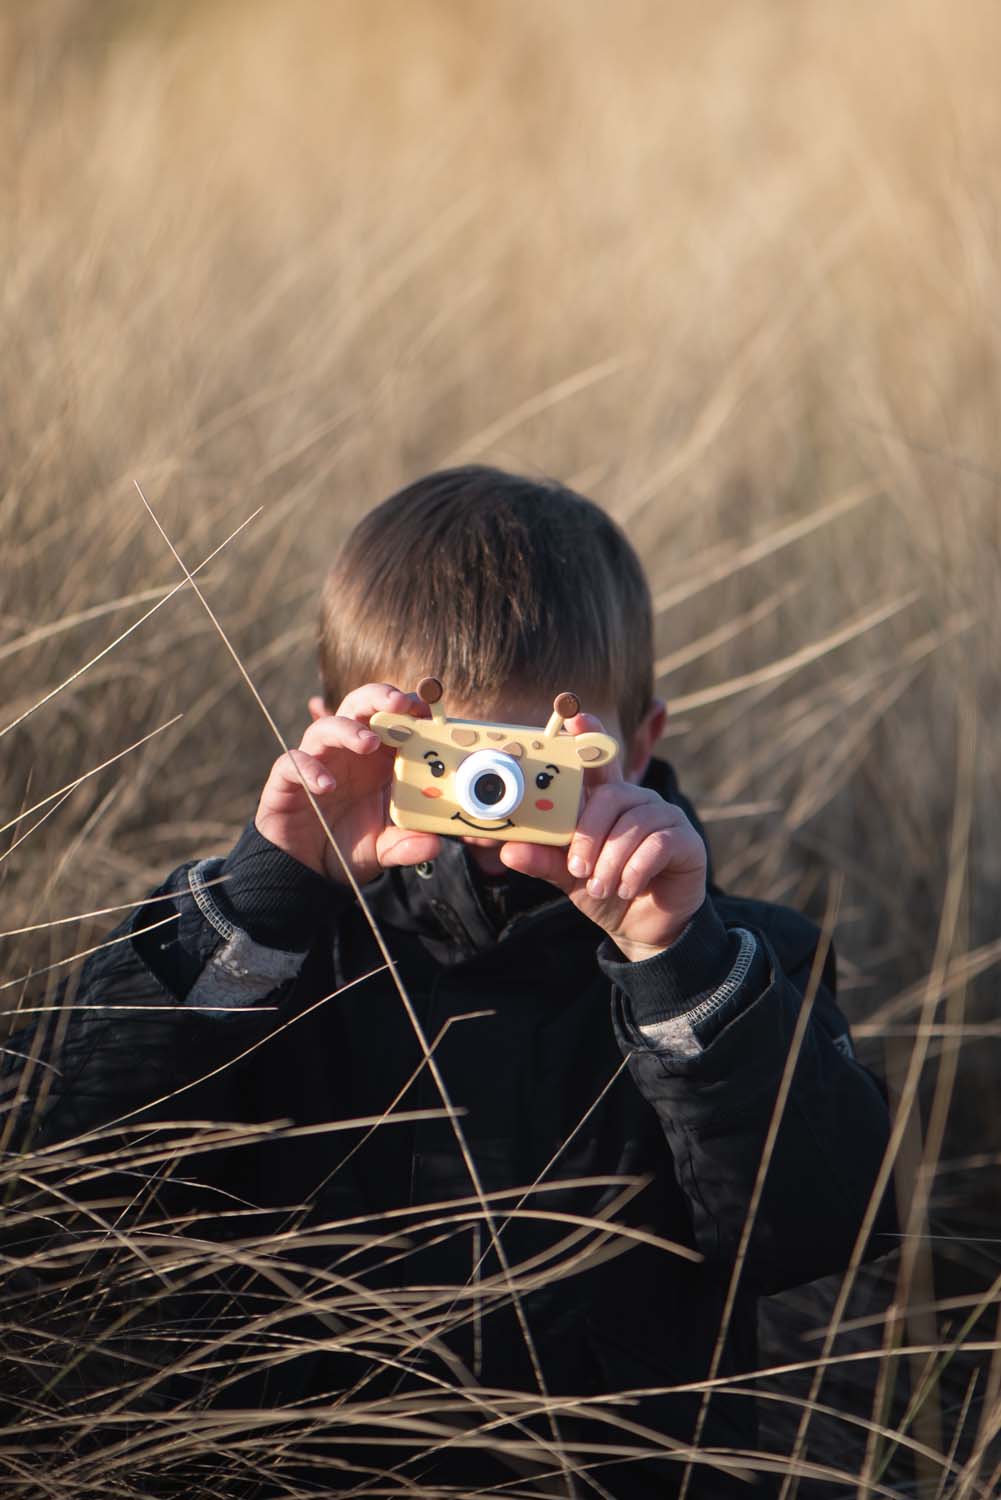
[
  {"x": 596, "y": 889},
  {"x": 324, "y": 782},
  {"x": 367, "y": 737},
  {"x": 625, "y": 893},
  {"x": 577, "y": 866}
]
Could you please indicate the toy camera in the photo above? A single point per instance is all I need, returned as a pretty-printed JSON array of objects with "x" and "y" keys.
[{"x": 501, "y": 781}]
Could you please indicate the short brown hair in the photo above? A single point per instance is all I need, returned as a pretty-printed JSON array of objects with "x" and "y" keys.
[{"x": 490, "y": 581}]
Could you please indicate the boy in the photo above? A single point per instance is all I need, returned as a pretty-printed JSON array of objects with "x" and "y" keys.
[{"x": 601, "y": 1016}]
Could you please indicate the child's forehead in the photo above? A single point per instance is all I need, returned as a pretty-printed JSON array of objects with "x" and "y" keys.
[{"x": 523, "y": 710}]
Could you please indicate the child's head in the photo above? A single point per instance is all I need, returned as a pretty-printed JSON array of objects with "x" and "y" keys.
[{"x": 505, "y": 588}]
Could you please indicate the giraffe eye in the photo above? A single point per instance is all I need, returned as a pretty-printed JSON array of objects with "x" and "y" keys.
[
  {"x": 543, "y": 780},
  {"x": 436, "y": 767}
]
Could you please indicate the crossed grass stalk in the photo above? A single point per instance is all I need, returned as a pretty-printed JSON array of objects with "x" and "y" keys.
[{"x": 392, "y": 1335}]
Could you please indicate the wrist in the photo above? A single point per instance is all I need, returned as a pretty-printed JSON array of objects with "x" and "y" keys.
[
  {"x": 273, "y": 896},
  {"x": 680, "y": 976},
  {"x": 274, "y": 831},
  {"x": 636, "y": 951}
]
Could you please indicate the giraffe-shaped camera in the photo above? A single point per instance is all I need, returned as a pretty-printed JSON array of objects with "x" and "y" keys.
[{"x": 501, "y": 781}]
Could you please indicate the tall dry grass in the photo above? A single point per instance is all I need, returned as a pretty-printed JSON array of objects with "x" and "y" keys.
[{"x": 735, "y": 273}]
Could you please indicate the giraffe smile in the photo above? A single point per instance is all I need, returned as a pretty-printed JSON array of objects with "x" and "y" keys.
[{"x": 492, "y": 828}]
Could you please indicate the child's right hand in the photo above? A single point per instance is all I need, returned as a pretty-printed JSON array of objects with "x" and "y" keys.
[{"x": 348, "y": 770}]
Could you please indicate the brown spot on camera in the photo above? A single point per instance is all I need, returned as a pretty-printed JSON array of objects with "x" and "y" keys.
[
  {"x": 590, "y": 752},
  {"x": 494, "y": 734},
  {"x": 538, "y": 745},
  {"x": 400, "y": 734},
  {"x": 513, "y": 748},
  {"x": 464, "y": 736},
  {"x": 566, "y": 705},
  {"x": 430, "y": 689}
]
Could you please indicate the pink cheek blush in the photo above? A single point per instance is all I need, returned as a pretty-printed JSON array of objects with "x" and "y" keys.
[
  {"x": 430, "y": 791},
  {"x": 544, "y": 804}
]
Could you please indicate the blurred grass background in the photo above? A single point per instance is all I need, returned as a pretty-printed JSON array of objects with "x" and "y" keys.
[{"x": 732, "y": 270}]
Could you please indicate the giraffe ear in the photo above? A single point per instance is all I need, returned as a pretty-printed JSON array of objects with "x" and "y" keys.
[
  {"x": 392, "y": 729},
  {"x": 594, "y": 749}
]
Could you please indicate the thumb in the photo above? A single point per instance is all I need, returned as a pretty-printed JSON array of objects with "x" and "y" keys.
[
  {"x": 542, "y": 861},
  {"x": 404, "y": 846}
]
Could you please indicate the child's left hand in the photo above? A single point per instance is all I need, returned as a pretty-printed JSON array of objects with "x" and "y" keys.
[{"x": 636, "y": 866}]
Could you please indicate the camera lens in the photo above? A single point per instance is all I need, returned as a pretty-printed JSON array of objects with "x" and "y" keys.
[
  {"x": 489, "y": 785},
  {"x": 488, "y": 788}
]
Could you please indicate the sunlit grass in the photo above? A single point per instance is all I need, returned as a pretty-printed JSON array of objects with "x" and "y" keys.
[{"x": 733, "y": 272}]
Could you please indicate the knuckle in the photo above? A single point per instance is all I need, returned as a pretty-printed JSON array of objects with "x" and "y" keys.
[
  {"x": 330, "y": 732},
  {"x": 623, "y": 832},
  {"x": 659, "y": 841},
  {"x": 602, "y": 806},
  {"x": 286, "y": 771}
]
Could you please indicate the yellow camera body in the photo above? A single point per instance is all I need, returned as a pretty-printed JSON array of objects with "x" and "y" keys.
[{"x": 500, "y": 781}]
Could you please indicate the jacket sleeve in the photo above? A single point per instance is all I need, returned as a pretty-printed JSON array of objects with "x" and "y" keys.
[
  {"x": 191, "y": 978},
  {"x": 149, "y": 1032},
  {"x": 706, "y": 1028}
]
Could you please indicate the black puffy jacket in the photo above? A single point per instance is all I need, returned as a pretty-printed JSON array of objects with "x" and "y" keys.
[{"x": 271, "y": 1001}]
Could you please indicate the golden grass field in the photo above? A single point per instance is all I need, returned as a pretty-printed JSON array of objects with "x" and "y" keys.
[{"x": 734, "y": 271}]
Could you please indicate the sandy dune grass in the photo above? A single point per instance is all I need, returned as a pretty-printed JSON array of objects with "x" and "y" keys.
[{"x": 734, "y": 272}]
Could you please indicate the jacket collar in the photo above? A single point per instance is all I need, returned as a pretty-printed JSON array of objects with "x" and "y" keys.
[{"x": 457, "y": 912}]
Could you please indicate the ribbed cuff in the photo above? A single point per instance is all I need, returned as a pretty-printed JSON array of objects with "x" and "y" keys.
[
  {"x": 670, "y": 983},
  {"x": 271, "y": 896}
]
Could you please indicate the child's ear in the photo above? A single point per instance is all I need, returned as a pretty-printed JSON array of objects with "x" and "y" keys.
[
  {"x": 646, "y": 736},
  {"x": 317, "y": 708}
]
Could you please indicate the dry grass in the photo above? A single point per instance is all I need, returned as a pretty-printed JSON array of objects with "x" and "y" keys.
[{"x": 734, "y": 273}]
